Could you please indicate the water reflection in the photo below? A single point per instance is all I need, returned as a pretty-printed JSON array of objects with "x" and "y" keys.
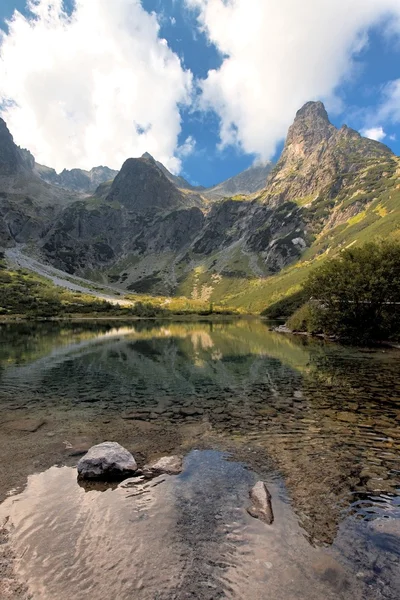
[
  {"x": 328, "y": 416},
  {"x": 175, "y": 537}
]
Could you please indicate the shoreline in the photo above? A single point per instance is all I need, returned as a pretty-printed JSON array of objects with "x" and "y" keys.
[
  {"x": 95, "y": 317},
  {"x": 321, "y": 336}
]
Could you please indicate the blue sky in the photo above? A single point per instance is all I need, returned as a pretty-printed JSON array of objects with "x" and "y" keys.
[{"x": 359, "y": 71}]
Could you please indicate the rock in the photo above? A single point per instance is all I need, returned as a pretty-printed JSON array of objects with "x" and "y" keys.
[
  {"x": 108, "y": 460},
  {"x": 135, "y": 416},
  {"x": 347, "y": 417},
  {"x": 282, "y": 329},
  {"x": 30, "y": 425},
  {"x": 191, "y": 411},
  {"x": 169, "y": 465},
  {"x": 262, "y": 507},
  {"x": 77, "y": 446}
]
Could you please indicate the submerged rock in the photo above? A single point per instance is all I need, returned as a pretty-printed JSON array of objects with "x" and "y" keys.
[
  {"x": 262, "y": 507},
  {"x": 108, "y": 460},
  {"x": 29, "y": 425},
  {"x": 169, "y": 465}
]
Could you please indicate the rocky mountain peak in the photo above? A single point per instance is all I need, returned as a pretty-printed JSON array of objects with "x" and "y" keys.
[
  {"x": 317, "y": 155},
  {"x": 147, "y": 156},
  {"x": 310, "y": 127},
  {"x": 142, "y": 186}
]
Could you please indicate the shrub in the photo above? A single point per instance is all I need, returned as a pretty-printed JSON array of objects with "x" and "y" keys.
[
  {"x": 304, "y": 319},
  {"x": 356, "y": 296}
]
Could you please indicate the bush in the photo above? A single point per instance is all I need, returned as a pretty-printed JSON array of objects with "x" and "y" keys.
[
  {"x": 356, "y": 296},
  {"x": 304, "y": 319}
]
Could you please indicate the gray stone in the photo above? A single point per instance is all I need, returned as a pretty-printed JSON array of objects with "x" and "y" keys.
[
  {"x": 262, "y": 507},
  {"x": 108, "y": 460}
]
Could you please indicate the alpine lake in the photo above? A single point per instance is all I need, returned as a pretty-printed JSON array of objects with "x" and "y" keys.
[{"x": 318, "y": 422}]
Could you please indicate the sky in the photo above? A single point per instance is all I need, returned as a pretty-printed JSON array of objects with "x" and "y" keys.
[{"x": 208, "y": 87}]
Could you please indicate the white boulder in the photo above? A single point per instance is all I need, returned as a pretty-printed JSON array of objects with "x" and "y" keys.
[{"x": 108, "y": 460}]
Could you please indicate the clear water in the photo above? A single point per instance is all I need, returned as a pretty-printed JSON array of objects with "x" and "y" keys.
[{"x": 320, "y": 423}]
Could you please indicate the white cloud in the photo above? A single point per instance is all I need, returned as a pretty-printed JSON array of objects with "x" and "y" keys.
[
  {"x": 93, "y": 88},
  {"x": 278, "y": 55},
  {"x": 187, "y": 147},
  {"x": 374, "y": 133},
  {"x": 390, "y": 108}
]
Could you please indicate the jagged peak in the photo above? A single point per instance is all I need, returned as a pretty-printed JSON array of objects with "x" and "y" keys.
[
  {"x": 311, "y": 126},
  {"x": 148, "y": 156},
  {"x": 313, "y": 109}
]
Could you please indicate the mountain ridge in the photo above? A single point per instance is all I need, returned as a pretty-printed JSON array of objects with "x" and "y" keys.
[{"x": 143, "y": 233}]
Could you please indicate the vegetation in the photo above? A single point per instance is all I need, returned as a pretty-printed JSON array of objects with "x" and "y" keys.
[
  {"x": 26, "y": 294},
  {"x": 356, "y": 296},
  {"x": 286, "y": 306}
]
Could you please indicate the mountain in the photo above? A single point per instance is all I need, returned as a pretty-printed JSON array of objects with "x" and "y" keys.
[
  {"x": 178, "y": 181},
  {"x": 141, "y": 185},
  {"x": 142, "y": 232},
  {"x": 76, "y": 180},
  {"x": 28, "y": 205},
  {"x": 348, "y": 190},
  {"x": 317, "y": 157},
  {"x": 248, "y": 182}
]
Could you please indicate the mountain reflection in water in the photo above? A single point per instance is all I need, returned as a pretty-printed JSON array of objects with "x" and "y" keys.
[{"x": 325, "y": 416}]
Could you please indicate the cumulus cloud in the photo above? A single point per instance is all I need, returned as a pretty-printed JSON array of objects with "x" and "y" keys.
[
  {"x": 187, "y": 147},
  {"x": 374, "y": 133},
  {"x": 93, "y": 87},
  {"x": 278, "y": 55}
]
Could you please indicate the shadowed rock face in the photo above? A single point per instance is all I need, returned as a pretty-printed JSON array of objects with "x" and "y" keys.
[
  {"x": 177, "y": 180},
  {"x": 141, "y": 186},
  {"x": 10, "y": 158},
  {"x": 28, "y": 205}
]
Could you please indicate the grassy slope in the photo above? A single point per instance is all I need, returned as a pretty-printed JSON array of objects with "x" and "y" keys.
[
  {"x": 375, "y": 202},
  {"x": 26, "y": 293}
]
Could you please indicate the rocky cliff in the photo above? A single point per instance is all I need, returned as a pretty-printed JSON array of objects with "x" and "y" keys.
[
  {"x": 146, "y": 232},
  {"x": 28, "y": 205},
  {"x": 76, "y": 180},
  {"x": 248, "y": 182}
]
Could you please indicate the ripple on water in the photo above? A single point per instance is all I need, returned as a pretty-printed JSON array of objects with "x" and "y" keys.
[
  {"x": 328, "y": 416},
  {"x": 173, "y": 537}
]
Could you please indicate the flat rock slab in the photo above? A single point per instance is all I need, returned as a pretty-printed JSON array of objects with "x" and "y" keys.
[
  {"x": 262, "y": 507},
  {"x": 30, "y": 425},
  {"x": 108, "y": 460},
  {"x": 77, "y": 446},
  {"x": 169, "y": 465}
]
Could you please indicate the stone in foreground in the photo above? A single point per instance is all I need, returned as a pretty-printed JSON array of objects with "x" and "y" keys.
[
  {"x": 108, "y": 460},
  {"x": 262, "y": 507},
  {"x": 167, "y": 465}
]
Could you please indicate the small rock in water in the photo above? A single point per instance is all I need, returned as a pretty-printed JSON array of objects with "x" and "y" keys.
[
  {"x": 262, "y": 507},
  {"x": 169, "y": 465},
  {"x": 77, "y": 446},
  {"x": 108, "y": 460},
  {"x": 29, "y": 425}
]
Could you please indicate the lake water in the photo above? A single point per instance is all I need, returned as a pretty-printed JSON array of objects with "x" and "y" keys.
[{"x": 318, "y": 422}]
